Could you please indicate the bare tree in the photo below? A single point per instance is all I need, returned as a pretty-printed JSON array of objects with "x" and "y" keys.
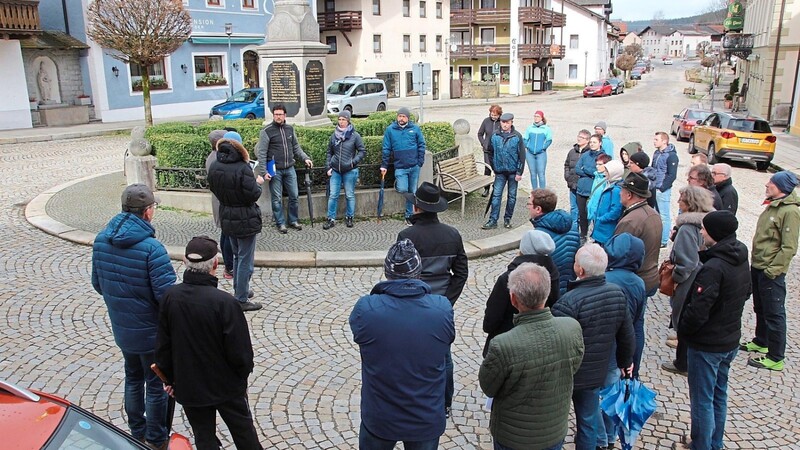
[
  {"x": 139, "y": 32},
  {"x": 625, "y": 62},
  {"x": 634, "y": 50},
  {"x": 703, "y": 49},
  {"x": 717, "y": 10},
  {"x": 659, "y": 18}
]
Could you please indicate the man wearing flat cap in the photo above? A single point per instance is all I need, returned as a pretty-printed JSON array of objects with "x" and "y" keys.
[
  {"x": 444, "y": 262},
  {"x": 132, "y": 271},
  {"x": 204, "y": 350},
  {"x": 774, "y": 245},
  {"x": 507, "y": 154},
  {"x": 710, "y": 325},
  {"x": 403, "y": 332},
  {"x": 403, "y": 140}
]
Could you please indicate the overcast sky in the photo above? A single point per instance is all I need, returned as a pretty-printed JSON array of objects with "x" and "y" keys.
[{"x": 645, "y": 9}]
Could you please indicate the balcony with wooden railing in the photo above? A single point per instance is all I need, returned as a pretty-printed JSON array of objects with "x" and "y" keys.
[
  {"x": 19, "y": 18},
  {"x": 539, "y": 51},
  {"x": 524, "y": 51},
  {"x": 339, "y": 21},
  {"x": 528, "y": 15}
]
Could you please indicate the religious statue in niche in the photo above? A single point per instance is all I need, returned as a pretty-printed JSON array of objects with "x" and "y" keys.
[
  {"x": 47, "y": 81},
  {"x": 43, "y": 78}
]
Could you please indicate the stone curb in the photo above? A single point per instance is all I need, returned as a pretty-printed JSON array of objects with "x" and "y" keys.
[
  {"x": 59, "y": 136},
  {"x": 36, "y": 215}
]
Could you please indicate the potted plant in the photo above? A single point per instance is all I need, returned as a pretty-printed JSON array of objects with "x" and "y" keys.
[
  {"x": 211, "y": 79},
  {"x": 156, "y": 84},
  {"x": 728, "y": 101},
  {"x": 83, "y": 99},
  {"x": 34, "y": 103}
]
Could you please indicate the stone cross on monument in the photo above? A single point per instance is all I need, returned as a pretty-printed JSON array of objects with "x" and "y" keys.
[{"x": 293, "y": 64}]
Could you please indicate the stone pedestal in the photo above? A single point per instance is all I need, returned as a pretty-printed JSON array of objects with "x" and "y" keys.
[
  {"x": 426, "y": 171},
  {"x": 292, "y": 64},
  {"x": 60, "y": 115},
  {"x": 141, "y": 169}
]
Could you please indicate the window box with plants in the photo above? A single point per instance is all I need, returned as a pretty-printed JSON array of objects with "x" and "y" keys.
[
  {"x": 156, "y": 84},
  {"x": 211, "y": 79}
]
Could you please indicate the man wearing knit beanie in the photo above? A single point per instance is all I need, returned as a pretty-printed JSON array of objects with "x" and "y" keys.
[
  {"x": 774, "y": 245},
  {"x": 607, "y": 144},
  {"x": 403, "y": 332},
  {"x": 710, "y": 325},
  {"x": 404, "y": 140}
]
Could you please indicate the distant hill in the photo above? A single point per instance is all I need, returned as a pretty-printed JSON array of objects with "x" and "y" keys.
[{"x": 636, "y": 26}]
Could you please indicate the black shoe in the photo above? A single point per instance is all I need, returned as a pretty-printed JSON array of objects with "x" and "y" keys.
[
  {"x": 490, "y": 225},
  {"x": 507, "y": 224},
  {"x": 348, "y": 222},
  {"x": 251, "y": 293},
  {"x": 670, "y": 367},
  {"x": 329, "y": 223},
  {"x": 282, "y": 229},
  {"x": 250, "y": 306},
  {"x": 295, "y": 226},
  {"x": 485, "y": 192}
]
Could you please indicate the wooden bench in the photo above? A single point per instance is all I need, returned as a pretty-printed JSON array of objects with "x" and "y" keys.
[{"x": 460, "y": 176}]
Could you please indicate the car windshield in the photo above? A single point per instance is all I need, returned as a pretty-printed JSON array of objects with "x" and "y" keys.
[
  {"x": 614, "y": 81},
  {"x": 339, "y": 88},
  {"x": 697, "y": 115},
  {"x": 244, "y": 96},
  {"x": 597, "y": 83},
  {"x": 749, "y": 125},
  {"x": 79, "y": 430}
]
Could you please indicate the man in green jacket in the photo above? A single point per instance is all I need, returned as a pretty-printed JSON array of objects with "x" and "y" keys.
[
  {"x": 774, "y": 245},
  {"x": 528, "y": 370}
]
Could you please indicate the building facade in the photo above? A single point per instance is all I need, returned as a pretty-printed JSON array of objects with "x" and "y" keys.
[
  {"x": 384, "y": 39},
  {"x": 590, "y": 50},
  {"x": 18, "y": 21}
]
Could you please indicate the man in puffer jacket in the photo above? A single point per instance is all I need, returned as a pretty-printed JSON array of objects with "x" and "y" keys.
[
  {"x": 558, "y": 224},
  {"x": 508, "y": 162},
  {"x": 403, "y": 140},
  {"x": 345, "y": 151},
  {"x": 602, "y": 310},
  {"x": 665, "y": 161},
  {"x": 132, "y": 271},
  {"x": 232, "y": 180}
]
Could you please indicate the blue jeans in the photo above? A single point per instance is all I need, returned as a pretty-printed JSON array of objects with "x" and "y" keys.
[
  {"x": 500, "y": 181},
  {"x": 449, "y": 386},
  {"x": 348, "y": 179},
  {"x": 662, "y": 200},
  {"x": 368, "y": 441},
  {"x": 244, "y": 250},
  {"x": 573, "y": 208},
  {"x": 503, "y": 447},
  {"x": 537, "y": 164},
  {"x": 283, "y": 179},
  {"x": 145, "y": 399},
  {"x": 405, "y": 180},
  {"x": 769, "y": 304},
  {"x": 708, "y": 396},
  {"x": 227, "y": 251},
  {"x": 606, "y": 431},
  {"x": 586, "y": 403}
]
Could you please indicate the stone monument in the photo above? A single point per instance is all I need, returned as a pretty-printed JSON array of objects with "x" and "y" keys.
[
  {"x": 47, "y": 81},
  {"x": 293, "y": 64},
  {"x": 140, "y": 165}
]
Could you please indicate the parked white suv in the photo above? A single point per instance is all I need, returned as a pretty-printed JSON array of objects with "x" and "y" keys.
[{"x": 358, "y": 95}]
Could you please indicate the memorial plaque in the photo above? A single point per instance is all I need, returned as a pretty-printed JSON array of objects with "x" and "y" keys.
[
  {"x": 315, "y": 88},
  {"x": 283, "y": 86}
]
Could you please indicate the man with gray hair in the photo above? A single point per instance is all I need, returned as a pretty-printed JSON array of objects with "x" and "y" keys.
[
  {"x": 602, "y": 311},
  {"x": 721, "y": 173},
  {"x": 204, "y": 350},
  {"x": 528, "y": 370}
]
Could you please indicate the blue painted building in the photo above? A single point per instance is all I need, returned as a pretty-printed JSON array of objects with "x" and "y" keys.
[{"x": 216, "y": 60}]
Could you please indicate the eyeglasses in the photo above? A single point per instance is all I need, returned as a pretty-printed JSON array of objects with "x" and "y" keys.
[
  {"x": 691, "y": 178},
  {"x": 713, "y": 174},
  {"x": 278, "y": 114}
]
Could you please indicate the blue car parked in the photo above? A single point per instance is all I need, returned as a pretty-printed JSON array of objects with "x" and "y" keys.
[{"x": 245, "y": 104}]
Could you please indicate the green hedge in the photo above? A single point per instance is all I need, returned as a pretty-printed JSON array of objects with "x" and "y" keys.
[
  {"x": 180, "y": 150},
  {"x": 374, "y": 146},
  {"x": 313, "y": 141},
  {"x": 439, "y": 136},
  {"x": 169, "y": 128}
]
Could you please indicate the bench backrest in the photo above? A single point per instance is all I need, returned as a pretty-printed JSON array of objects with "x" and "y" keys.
[{"x": 462, "y": 167}]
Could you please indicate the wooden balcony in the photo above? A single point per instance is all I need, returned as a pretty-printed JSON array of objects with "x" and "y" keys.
[
  {"x": 525, "y": 51},
  {"x": 19, "y": 18},
  {"x": 339, "y": 21},
  {"x": 528, "y": 15},
  {"x": 540, "y": 51}
]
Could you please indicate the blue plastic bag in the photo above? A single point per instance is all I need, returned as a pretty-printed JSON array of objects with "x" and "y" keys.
[{"x": 629, "y": 403}]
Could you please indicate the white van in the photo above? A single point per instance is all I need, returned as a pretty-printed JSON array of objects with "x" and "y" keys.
[{"x": 358, "y": 95}]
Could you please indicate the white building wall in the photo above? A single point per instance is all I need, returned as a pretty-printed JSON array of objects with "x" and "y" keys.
[
  {"x": 589, "y": 57},
  {"x": 14, "y": 109}
]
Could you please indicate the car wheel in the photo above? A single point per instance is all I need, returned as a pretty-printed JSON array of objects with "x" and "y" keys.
[
  {"x": 712, "y": 154},
  {"x": 381, "y": 106},
  {"x": 692, "y": 148},
  {"x": 349, "y": 109},
  {"x": 584, "y": 95},
  {"x": 672, "y": 130},
  {"x": 762, "y": 165},
  {"x": 250, "y": 116}
]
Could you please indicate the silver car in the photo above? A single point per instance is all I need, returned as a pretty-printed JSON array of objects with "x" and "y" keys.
[{"x": 358, "y": 95}]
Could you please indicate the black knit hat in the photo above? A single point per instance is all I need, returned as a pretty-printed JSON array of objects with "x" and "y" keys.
[
  {"x": 640, "y": 159},
  {"x": 720, "y": 224},
  {"x": 402, "y": 261}
]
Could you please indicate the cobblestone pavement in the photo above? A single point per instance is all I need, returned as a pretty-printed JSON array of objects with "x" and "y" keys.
[{"x": 305, "y": 388}]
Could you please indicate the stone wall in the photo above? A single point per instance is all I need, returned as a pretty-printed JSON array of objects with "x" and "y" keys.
[
  {"x": 70, "y": 80},
  {"x": 482, "y": 89}
]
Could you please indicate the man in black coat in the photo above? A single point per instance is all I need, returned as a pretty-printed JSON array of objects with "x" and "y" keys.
[
  {"x": 444, "y": 261},
  {"x": 710, "y": 324},
  {"x": 573, "y": 155},
  {"x": 602, "y": 311},
  {"x": 204, "y": 350},
  {"x": 232, "y": 181},
  {"x": 721, "y": 173}
]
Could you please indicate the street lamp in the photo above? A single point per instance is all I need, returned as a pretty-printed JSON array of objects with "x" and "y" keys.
[
  {"x": 229, "y": 32},
  {"x": 585, "y": 67}
]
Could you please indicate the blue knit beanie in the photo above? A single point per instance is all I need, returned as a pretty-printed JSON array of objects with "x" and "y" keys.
[
  {"x": 233, "y": 136},
  {"x": 785, "y": 181}
]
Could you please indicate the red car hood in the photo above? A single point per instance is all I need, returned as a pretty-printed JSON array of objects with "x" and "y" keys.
[{"x": 27, "y": 424}]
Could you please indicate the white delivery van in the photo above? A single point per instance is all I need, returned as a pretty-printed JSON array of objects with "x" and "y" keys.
[{"x": 358, "y": 95}]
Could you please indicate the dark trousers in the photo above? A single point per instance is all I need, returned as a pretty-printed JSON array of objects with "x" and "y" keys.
[
  {"x": 236, "y": 415},
  {"x": 680, "y": 356},
  {"x": 583, "y": 215},
  {"x": 769, "y": 304},
  {"x": 227, "y": 251}
]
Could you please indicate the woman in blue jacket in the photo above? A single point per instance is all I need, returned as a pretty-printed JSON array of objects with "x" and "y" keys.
[
  {"x": 585, "y": 170},
  {"x": 605, "y": 206},
  {"x": 537, "y": 138}
]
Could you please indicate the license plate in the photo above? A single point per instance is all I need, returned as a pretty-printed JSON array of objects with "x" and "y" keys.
[{"x": 749, "y": 141}]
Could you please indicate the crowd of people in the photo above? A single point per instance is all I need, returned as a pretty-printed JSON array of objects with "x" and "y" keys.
[{"x": 564, "y": 320}]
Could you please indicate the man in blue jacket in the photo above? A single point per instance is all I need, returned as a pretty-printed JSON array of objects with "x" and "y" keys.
[
  {"x": 665, "y": 161},
  {"x": 507, "y": 154},
  {"x": 403, "y": 139},
  {"x": 403, "y": 332},
  {"x": 607, "y": 145},
  {"x": 132, "y": 271},
  {"x": 558, "y": 224}
]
